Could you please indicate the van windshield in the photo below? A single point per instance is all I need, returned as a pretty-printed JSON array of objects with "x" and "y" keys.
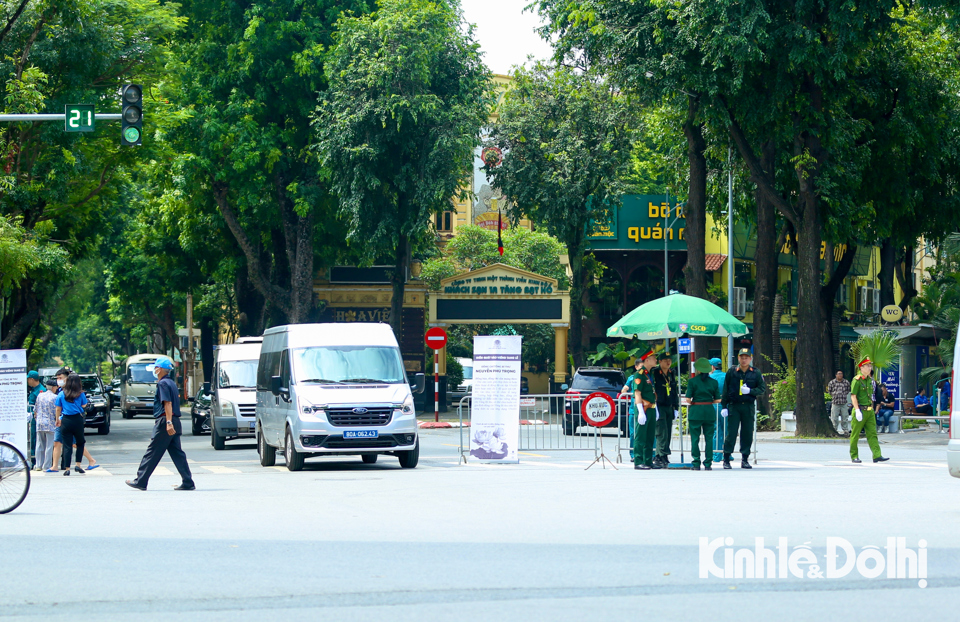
[
  {"x": 138, "y": 373},
  {"x": 348, "y": 364},
  {"x": 238, "y": 374}
]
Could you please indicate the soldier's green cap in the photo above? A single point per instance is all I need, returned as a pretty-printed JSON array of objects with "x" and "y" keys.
[
  {"x": 663, "y": 356},
  {"x": 745, "y": 351},
  {"x": 702, "y": 365}
]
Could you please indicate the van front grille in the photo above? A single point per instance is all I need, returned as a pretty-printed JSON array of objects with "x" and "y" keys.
[{"x": 359, "y": 417}]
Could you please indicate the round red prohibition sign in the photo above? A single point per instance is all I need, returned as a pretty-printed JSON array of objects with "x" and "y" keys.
[
  {"x": 597, "y": 409},
  {"x": 436, "y": 338}
]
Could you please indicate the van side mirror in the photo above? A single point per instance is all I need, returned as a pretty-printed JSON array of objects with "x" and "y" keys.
[
  {"x": 206, "y": 387},
  {"x": 276, "y": 384},
  {"x": 418, "y": 384},
  {"x": 123, "y": 378}
]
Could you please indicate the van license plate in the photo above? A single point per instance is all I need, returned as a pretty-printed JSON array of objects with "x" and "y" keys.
[
  {"x": 253, "y": 426},
  {"x": 361, "y": 434}
]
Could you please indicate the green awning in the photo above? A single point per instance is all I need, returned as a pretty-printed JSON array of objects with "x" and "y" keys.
[{"x": 788, "y": 332}]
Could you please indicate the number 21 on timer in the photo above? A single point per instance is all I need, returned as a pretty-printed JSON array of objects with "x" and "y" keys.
[{"x": 79, "y": 118}]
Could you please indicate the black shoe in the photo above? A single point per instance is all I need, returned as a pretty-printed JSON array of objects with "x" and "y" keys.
[
  {"x": 665, "y": 460},
  {"x": 79, "y": 470},
  {"x": 694, "y": 467},
  {"x": 880, "y": 459},
  {"x": 745, "y": 464},
  {"x": 707, "y": 467},
  {"x": 66, "y": 471},
  {"x": 856, "y": 460},
  {"x": 133, "y": 484},
  {"x": 658, "y": 465},
  {"x": 726, "y": 464},
  {"x": 641, "y": 467},
  {"x": 185, "y": 487}
]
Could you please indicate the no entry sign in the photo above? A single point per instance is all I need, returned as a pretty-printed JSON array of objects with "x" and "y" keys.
[
  {"x": 436, "y": 338},
  {"x": 597, "y": 409}
]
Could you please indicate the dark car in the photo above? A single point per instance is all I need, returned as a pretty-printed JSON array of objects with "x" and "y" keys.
[
  {"x": 589, "y": 380},
  {"x": 98, "y": 410},
  {"x": 200, "y": 412}
]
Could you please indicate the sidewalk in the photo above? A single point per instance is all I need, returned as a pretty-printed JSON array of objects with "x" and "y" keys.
[{"x": 917, "y": 437}]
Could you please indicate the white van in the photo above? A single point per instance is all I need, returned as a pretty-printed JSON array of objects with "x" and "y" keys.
[
  {"x": 233, "y": 396},
  {"x": 334, "y": 389},
  {"x": 953, "y": 445},
  {"x": 137, "y": 386}
]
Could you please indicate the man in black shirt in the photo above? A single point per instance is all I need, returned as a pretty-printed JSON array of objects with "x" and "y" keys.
[
  {"x": 741, "y": 386},
  {"x": 166, "y": 430}
]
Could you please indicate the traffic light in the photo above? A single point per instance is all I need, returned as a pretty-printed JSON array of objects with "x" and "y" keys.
[{"x": 131, "y": 115}]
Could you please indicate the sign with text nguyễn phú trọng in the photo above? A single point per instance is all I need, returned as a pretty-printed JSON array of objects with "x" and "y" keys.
[{"x": 642, "y": 222}]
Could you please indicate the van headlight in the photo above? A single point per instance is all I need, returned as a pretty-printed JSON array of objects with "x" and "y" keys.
[
  {"x": 407, "y": 407},
  {"x": 226, "y": 409}
]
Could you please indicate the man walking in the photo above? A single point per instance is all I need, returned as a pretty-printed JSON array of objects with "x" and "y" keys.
[
  {"x": 166, "y": 430},
  {"x": 839, "y": 390},
  {"x": 668, "y": 404},
  {"x": 645, "y": 397},
  {"x": 741, "y": 386}
]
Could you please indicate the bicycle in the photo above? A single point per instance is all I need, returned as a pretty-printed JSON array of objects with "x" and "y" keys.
[{"x": 14, "y": 477}]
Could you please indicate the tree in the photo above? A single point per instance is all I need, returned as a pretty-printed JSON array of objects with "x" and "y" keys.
[
  {"x": 566, "y": 139},
  {"x": 398, "y": 123},
  {"x": 249, "y": 76}
]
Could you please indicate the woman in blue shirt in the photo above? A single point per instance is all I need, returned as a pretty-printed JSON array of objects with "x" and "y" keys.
[
  {"x": 70, "y": 417},
  {"x": 921, "y": 403}
]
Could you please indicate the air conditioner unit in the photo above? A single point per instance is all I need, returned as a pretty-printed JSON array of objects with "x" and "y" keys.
[
  {"x": 740, "y": 301},
  {"x": 869, "y": 300},
  {"x": 749, "y": 306}
]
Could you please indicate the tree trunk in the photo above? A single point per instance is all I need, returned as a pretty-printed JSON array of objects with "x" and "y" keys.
[
  {"x": 298, "y": 240},
  {"x": 766, "y": 287},
  {"x": 695, "y": 271},
  {"x": 399, "y": 284},
  {"x": 207, "y": 339},
  {"x": 837, "y": 272},
  {"x": 575, "y": 342},
  {"x": 903, "y": 268},
  {"x": 23, "y": 318},
  {"x": 888, "y": 257},
  {"x": 775, "y": 330}
]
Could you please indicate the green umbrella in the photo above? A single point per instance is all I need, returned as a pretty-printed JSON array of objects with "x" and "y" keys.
[{"x": 676, "y": 315}]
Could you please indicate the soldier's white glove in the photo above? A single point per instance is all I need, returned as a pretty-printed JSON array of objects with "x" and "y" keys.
[
  {"x": 641, "y": 418},
  {"x": 658, "y": 413},
  {"x": 724, "y": 413},
  {"x": 859, "y": 415},
  {"x": 745, "y": 390},
  {"x": 676, "y": 414}
]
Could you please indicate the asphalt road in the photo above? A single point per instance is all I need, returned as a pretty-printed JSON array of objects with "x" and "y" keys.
[{"x": 542, "y": 540}]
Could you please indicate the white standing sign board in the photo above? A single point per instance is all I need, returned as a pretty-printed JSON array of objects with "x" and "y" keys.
[
  {"x": 13, "y": 398},
  {"x": 495, "y": 405}
]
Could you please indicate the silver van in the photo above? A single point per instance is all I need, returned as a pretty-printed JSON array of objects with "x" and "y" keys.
[
  {"x": 233, "y": 396},
  {"x": 335, "y": 389}
]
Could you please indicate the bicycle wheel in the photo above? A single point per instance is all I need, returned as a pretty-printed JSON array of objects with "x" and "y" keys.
[{"x": 14, "y": 477}]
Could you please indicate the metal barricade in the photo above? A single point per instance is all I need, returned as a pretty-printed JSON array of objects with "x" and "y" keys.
[{"x": 552, "y": 422}]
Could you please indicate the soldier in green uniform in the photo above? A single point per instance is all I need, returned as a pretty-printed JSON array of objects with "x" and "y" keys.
[
  {"x": 741, "y": 386},
  {"x": 861, "y": 395},
  {"x": 668, "y": 405},
  {"x": 704, "y": 394},
  {"x": 645, "y": 397}
]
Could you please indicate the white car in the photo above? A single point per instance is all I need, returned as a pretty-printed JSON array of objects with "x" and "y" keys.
[
  {"x": 466, "y": 387},
  {"x": 953, "y": 445}
]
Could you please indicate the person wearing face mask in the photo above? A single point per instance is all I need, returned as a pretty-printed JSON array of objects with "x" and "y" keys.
[
  {"x": 61, "y": 459},
  {"x": 166, "y": 430}
]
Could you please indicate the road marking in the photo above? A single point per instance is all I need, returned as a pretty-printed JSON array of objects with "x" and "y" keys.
[
  {"x": 99, "y": 472},
  {"x": 220, "y": 470},
  {"x": 162, "y": 470},
  {"x": 278, "y": 468}
]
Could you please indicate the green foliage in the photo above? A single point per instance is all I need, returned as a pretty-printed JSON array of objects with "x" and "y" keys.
[
  {"x": 475, "y": 247},
  {"x": 783, "y": 392},
  {"x": 883, "y": 348},
  {"x": 612, "y": 355}
]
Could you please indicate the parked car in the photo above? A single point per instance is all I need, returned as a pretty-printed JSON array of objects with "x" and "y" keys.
[
  {"x": 953, "y": 445},
  {"x": 589, "y": 380},
  {"x": 466, "y": 387},
  {"x": 200, "y": 411},
  {"x": 98, "y": 412}
]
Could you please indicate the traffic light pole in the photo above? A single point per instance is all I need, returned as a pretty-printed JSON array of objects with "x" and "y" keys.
[{"x": 18, "y": 118}]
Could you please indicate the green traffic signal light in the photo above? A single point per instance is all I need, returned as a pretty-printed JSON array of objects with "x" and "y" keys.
[{"x": 131, "y": 116}]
